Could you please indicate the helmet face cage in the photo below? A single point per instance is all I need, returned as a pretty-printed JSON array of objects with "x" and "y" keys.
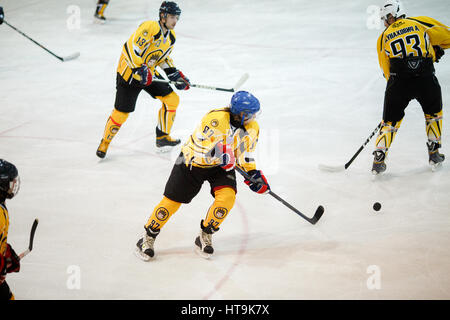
[
  {"x": 9, "y": 179},
  {"x": 243, "y": 102},
  {"x": 14, "y": 187}
]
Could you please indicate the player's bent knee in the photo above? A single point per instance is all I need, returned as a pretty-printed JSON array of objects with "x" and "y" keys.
[
  {"x": 172, "y": 100},
  {"x": 119, "y": 117},
  {"x": 225, "y": 196}
]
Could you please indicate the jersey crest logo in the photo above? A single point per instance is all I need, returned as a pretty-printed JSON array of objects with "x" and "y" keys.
[
  {"x": 214, "y": 122},
  {"x": 162, "y": 213},
  {"x": 220, "y": 212}
]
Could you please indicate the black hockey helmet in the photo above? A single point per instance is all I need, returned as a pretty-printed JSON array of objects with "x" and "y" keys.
[
  {"x": 9, "y": 179},
  {"x": 169, "y": 7}
]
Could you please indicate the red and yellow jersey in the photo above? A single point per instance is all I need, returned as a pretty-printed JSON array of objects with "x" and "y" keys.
[
  {"x": 147, "y": 45},
  {"x": 4, "y": 226},
  {"x": 411, "y": 37},
  {"x": 215, "y": 127}
]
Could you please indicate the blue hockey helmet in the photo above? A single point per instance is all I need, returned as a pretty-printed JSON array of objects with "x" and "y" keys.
[
  {"x": 9, "y": 179},
  {"x": 244, "y": 102}
]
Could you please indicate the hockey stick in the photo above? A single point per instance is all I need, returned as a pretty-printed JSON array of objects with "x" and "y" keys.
[
  {"x": 317, "y": 215},
  {"x": 67, "y": 58},
  {"x": 236, "y": 86},
  {"x": 30, "y": 245},
  {"x": 345, "y": 166}
]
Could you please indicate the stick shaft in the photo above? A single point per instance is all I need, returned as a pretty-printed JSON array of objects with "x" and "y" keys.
[
  {"x": 362, "y": 146},
  {"x": 40, "y": 45}
]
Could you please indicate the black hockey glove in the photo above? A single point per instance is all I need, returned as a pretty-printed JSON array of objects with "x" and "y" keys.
[
  {"x": 182, "y": 82},
  {"x": 439, "y": 52},
  {"x": 2, "y": 15},
  {"x": 143, "y": 75}
]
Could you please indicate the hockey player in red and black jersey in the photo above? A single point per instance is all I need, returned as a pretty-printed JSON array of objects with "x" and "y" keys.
[
  {"x": 9, "y": 260},
  {"x": 148, "y": 47},
  {"x": 407, "y": 50}
]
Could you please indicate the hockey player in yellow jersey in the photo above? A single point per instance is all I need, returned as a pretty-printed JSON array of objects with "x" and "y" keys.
[
  {"x": 225, "y": 138},
  {"x": 148, "y": 47},
  {"x": 9, "y": 260},
  {"x": 407, "y": 49}
]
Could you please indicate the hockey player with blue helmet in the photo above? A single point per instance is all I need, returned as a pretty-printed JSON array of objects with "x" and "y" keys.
[{"x": 224, "y": 139}]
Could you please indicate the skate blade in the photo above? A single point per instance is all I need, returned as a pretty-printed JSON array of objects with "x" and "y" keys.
[
  {"x": 141, "y": 255},
  {"x": 202, "y": 254},
  {"x": 435, "y": 166},
  {"x": 164, "y": 149}
]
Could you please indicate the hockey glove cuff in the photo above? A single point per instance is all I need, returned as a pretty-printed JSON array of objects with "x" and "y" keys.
[
  {"x": 143, "y": 75},
  {"x": 257, "y": 182},
  {"x": 12, "y": 260},
  {"x": 439, "y": 52},
  {"x": 182, "y": 82},
  {"x": 226, "y": 154}
]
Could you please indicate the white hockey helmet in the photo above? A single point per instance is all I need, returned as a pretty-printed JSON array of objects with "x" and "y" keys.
[{"x": 393, "y": 7}]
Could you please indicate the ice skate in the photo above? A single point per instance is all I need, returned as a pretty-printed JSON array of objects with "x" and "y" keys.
[
  {"x": 102, "y": 148},
  {"x": 144, "y": 246},
  {"x": 203, "y": 243},
  {"x": 99, "y": 18},
  {"x": 435, "y": 158},
  {"x": 378, "y": 162}
]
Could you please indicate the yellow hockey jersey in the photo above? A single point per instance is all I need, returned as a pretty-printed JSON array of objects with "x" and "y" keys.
[
  {"x": 215, "y": 127},
  {"x": 4, "y": 226},
  {"x": 409, "y": 37},
  {"x": 147, "y": 45}
]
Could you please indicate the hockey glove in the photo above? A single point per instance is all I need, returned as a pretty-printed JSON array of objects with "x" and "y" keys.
[
  {"x": 143, "y": 75},
  {"x": 439, "y": 52},
  {"x": 257, "y": 182},
  {"x": 12, "y": 260},
  {"x": 226, "y": 154},
  {"x": 182, "y": 82},
  {"x": 2, "y": 15}
]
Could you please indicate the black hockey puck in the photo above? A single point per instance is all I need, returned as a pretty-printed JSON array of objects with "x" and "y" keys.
[{"x": 376, "y": 206}]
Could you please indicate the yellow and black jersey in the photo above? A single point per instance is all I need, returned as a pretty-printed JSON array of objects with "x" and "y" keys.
[
  {"x": 411, "y": 37},
  {"x": 216, "y": 127},
  {"x": 147, "y": 45},
  {"x": 4, "y": 226}
]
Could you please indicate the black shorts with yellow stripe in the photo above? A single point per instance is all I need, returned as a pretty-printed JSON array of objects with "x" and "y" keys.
[
  {"x": 127, "y": 93},
  {"x": 185, "y": 182}
]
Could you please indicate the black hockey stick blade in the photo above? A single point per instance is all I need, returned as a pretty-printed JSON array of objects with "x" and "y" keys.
[{"x": 30, "y": 244}]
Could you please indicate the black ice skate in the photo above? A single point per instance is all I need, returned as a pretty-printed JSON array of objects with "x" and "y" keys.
[
  {"x": 164, "y": 142},
  {"x": 203, "y": 243},
  {"x": 144, "y": 246},
  {"x": 434, "y": 157},
  {"x": 378, "y": 162}
]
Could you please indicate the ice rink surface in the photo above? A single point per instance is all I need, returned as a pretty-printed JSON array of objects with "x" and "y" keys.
[{"x": 314, "y": 67}]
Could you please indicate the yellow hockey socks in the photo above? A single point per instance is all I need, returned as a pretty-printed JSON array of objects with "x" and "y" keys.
[
  {"x": 115, "y": 121},
  {"x": 386, "y": 136},
  {"x": 223, "y": 202},
  {"x": 166, "y": 115},
  {"x": 161, "y": 213},
  {"x": 433, "y": 124}
]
